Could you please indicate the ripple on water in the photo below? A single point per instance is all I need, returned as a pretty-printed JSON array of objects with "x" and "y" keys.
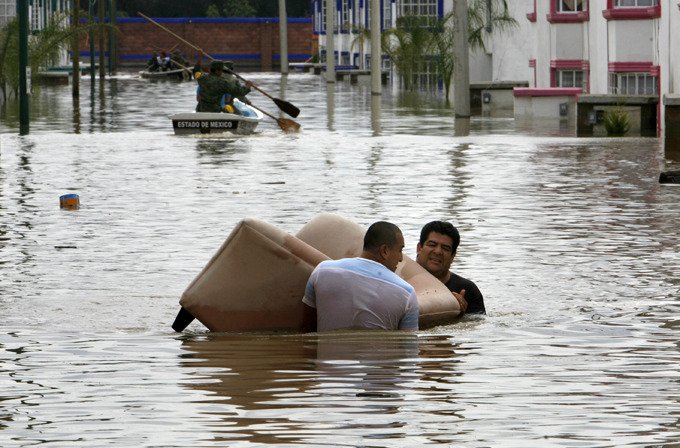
[{"x": 572, "y": 241}]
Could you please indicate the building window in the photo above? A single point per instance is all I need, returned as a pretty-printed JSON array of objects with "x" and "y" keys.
[
  {"x": 635, "y": 3},
  {"x": 387, "y": 15},
  {"x": 632, "y": 9},
  {"x": 632, "y": 84},
  {"x": 570, "y": 6},
  {"x": 569, "y": 78},
  {"x": 426, "y": 9},
  {"x": 569, "y": 11},
  {"x": 323, "y": 17},
  {"x": 344, "y": 14}
]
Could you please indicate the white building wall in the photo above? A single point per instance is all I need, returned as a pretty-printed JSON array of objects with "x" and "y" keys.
[
  {"x": 597, "y": 54},
  {"x": 632, "y": 40},
  {"x": 566, "y": 41},
  {"x": 510, "y": 51},
  {"x": 670, "y": 50},
  {"x": 543, "y": 42}
]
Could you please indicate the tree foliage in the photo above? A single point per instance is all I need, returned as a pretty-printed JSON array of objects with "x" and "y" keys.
[
  {"x": 415, "y": 40},
  {"x": 44, "y": 49},
  {"x": 238, "y": 8}
]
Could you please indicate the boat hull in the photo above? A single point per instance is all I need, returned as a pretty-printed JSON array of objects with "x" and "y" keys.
[
  {"x": 178, "y": 74},
  {"x": 213, "y": 123}
]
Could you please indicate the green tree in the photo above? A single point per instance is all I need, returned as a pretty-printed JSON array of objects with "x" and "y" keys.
[
  {"x": 415, "y": 40},
  {"x": 407, "y": 46},
  {"x": 363, "y": 36},
  {"x": 212, "y": 11},
  {"x": 44, "y": 48},
  {"x": 238, "y": 8}
]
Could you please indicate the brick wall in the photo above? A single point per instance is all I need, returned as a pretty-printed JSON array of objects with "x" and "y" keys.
[{"x": 250, "y": 43}]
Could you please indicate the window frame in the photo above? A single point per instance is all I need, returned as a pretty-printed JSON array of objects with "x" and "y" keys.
[
  {"x": 556, "y": 15},
  {"x": 614, "y": 12}
]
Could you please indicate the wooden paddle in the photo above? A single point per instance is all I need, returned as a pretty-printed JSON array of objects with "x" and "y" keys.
[
  {"x": 285, "y": 106},
  {"x": 287, "y": 125}
]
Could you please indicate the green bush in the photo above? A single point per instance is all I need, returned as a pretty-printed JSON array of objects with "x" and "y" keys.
[{"x": 616, "y": 122}]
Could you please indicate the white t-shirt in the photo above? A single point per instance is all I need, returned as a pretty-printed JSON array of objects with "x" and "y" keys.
[{"x": 360, "y": 293}]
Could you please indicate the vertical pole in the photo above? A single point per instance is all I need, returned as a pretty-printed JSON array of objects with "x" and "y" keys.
[
  {"x": 91, "y": 13},
  {"x": 24, "y": 69},
  {"x": 461, "y": 88},
  {"x": 330, "y": 41},
  {"x": 113, "y": 57},
  {"x": 100, "y": 34},
  {"x": 283, "y": 36},
  {"x": 376, "y": 52},
  {"x": 75, "y": 48}
]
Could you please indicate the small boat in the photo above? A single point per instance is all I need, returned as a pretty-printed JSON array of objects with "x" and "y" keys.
[
  {"x": 217, "y": 122},
  {"x": 181, "y": 74}
]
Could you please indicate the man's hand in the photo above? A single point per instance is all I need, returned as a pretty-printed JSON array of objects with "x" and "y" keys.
[{"x": 462, "y": 303}]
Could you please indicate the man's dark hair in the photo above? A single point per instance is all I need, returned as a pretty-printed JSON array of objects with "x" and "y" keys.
[
  {"x": 444, "y": 228},
  {"x": 379, "y": 233}
]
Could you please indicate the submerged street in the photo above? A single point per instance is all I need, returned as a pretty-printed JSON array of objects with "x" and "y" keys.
[{"x": 572, "y": 241}]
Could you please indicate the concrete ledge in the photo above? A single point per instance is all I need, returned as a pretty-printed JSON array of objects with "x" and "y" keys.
[
  {"x": 556, "y": 91},
  {"x": 53, "y": 78},
  {"x": 671, "y": 100},
  {"x": 498, "y": 85},
  {"x": 623, "y": 100}
]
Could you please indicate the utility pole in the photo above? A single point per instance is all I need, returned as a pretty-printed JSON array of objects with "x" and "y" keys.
[
  {"x": 283, "y": 36},
  {"x": 461, "y": 88},
  {"x": 330, "y": 41},
  {"x": 113, "y": 61},
  {"x": 75, "y": 48},
  {"x": 100, "y": 33},
  {"x": 376, "y": 52},
  {"x": 24, "y": 68},
  {"x": 91, "y": 14}
]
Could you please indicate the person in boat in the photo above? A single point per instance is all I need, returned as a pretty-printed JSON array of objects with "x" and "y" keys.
[
  {"x": 436, "y": 251},
  {"x": 362, "y": 292},
  {"x": 227, "y": 103},
  {"x": 164, "y": 61},
  {"x": 213, "y": 86},
  {"x": 152, "y": 63},
  {"x": 177, "y": 61}
]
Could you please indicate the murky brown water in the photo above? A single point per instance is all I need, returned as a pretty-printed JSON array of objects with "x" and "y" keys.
[{"x": 573, "y": 242}]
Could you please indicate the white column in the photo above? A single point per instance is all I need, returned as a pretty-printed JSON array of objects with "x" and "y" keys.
[
  {"x": 376, "y": 52},
  {"x": 461, "y": 92},
  {"x": 330, "y": 41},
  {"x": 283, "y": 36}
]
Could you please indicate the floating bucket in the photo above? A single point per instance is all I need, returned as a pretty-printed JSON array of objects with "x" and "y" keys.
[{"x": 69, "y": 201}]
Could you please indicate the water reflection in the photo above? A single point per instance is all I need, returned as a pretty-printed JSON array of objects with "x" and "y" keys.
[
  {"x": 333, "y": 389},
  {"x": 572, "y": 241},
  {"x": 461, "y": 126},
  {"x": 330, "y": 106},
  {"x": 376, "y": 118}
]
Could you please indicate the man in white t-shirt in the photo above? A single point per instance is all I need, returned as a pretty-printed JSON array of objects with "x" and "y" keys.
[{"x": 363, "y": 292}]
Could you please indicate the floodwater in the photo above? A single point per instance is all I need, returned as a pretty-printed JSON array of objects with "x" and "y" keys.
[{"x": 573, "y": 242}]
